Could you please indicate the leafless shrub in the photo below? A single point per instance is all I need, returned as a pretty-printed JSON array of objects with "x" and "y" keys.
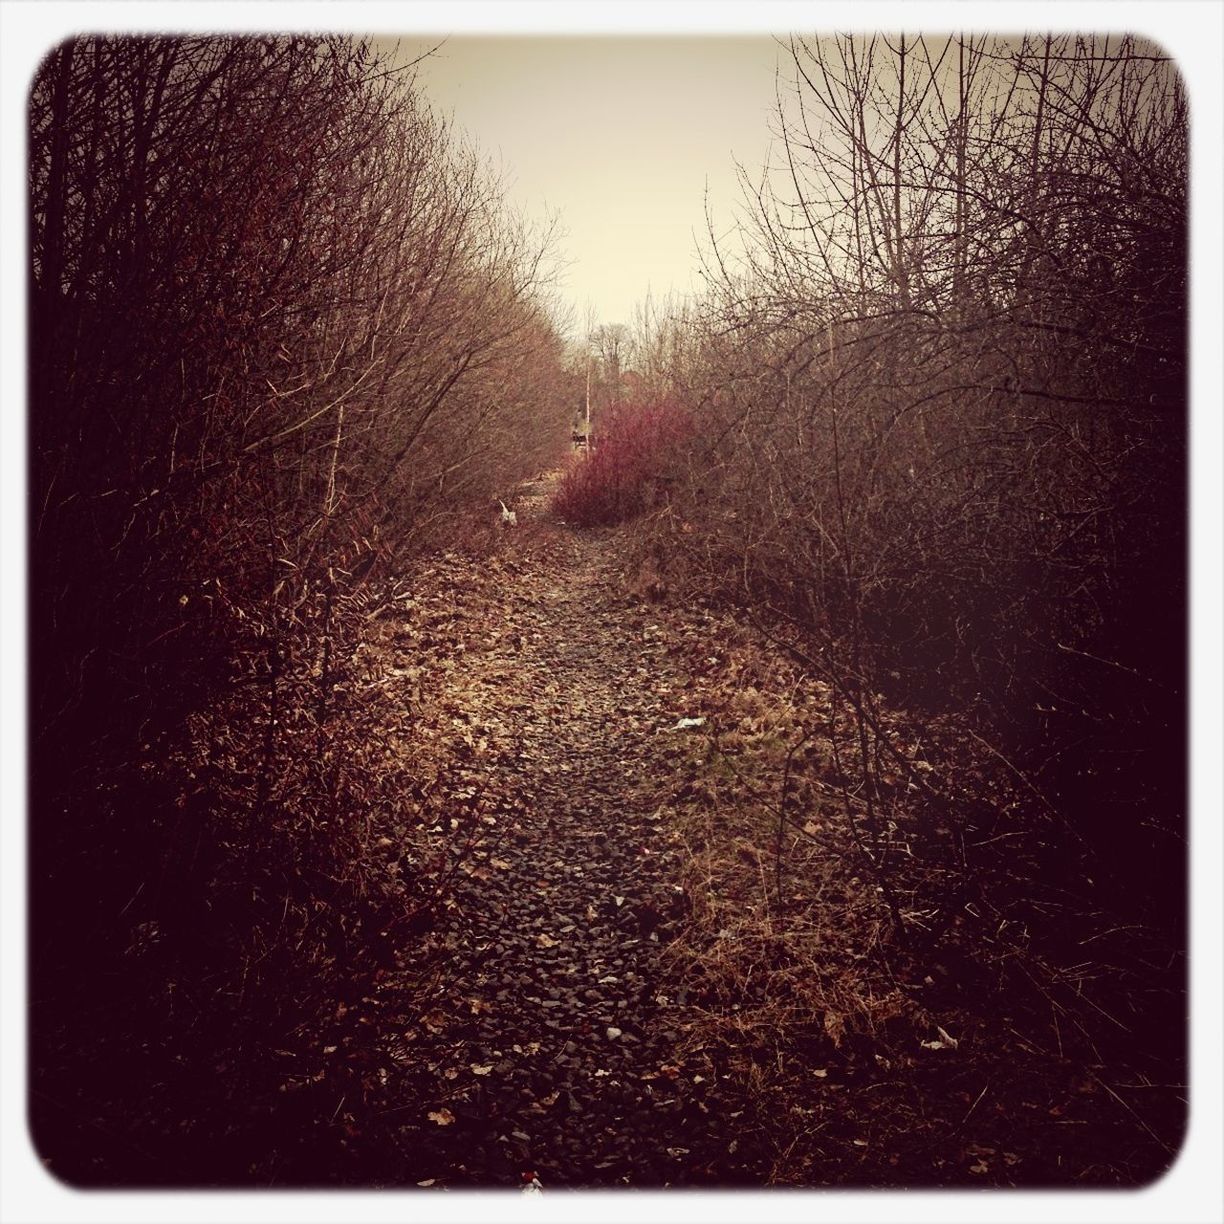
[
  {"x": 282, "y": 327},
  {"x": 943, "y": 414}
]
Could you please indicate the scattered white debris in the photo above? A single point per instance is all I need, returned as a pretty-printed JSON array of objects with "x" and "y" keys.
[
  {"x": 685, "y": 723},
  {"x": 946, "y": 1042}
]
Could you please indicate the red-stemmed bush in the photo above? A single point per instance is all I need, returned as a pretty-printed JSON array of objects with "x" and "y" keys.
[{"x": 627, "y": 469}]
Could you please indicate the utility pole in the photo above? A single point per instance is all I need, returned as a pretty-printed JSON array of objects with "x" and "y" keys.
[{"x": 589, "y": 322}]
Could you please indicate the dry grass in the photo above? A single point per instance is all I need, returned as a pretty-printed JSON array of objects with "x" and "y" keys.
[{"x": 986, "y": 1041}]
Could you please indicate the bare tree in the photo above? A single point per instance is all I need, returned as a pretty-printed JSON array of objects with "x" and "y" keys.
[
  {"x": 943, "y": 398},
  {"x": 283, "y": 328}
]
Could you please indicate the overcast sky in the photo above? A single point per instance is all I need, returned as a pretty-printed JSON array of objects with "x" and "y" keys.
[{"x": 620, "y": 136}]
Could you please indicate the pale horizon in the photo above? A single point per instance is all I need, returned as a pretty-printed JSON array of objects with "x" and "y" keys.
[{"x": 622, "y": 138}]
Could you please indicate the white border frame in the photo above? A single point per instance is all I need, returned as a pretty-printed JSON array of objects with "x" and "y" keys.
[{"x": 1193, "y": 33}]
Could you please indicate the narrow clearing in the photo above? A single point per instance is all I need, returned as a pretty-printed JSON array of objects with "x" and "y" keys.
[
  {"x": 635, "y": 965},
  {"x": 553, "y": 1046}
]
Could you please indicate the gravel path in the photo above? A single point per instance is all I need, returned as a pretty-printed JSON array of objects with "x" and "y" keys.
[{"x": 554, "y": 1046}]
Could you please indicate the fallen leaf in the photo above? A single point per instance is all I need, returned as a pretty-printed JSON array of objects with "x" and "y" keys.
[
  {"x": 429, "y": 1181},
  {"x": 546, "y": 941},
  {"x": 443, "y": 1116},
  {"x": 613, "y": 1033},
  {"x": 477, "y": 1069},
  {"x": 821, "y": 1073}
]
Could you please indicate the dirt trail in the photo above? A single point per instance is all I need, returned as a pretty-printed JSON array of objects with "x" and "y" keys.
[
  {"x": 549, "y": 1022},
  {"x": 607, "y": 951},
  {"x": 554, "y": 1045}
]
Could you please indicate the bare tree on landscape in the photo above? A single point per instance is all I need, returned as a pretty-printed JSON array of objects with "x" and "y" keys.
[
  {"x": 282, "y": 327},
  {"x": 888, "y": 528},
  {"x": 944, "y": 391}
]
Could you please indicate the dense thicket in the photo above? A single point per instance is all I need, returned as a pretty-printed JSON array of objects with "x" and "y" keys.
[
  {"x": 282, "y": 326},
  {"x": 626, "y": 471},
  {"x": 279, "y": 319},
  {"x": 940, "y": 373}
]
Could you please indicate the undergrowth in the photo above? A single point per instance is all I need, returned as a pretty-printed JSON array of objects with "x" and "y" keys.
[
  {"x": 1013, "y": 1031},
  {"x": 627, "y": 469},
  {"x": 262, "y": 897}
]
